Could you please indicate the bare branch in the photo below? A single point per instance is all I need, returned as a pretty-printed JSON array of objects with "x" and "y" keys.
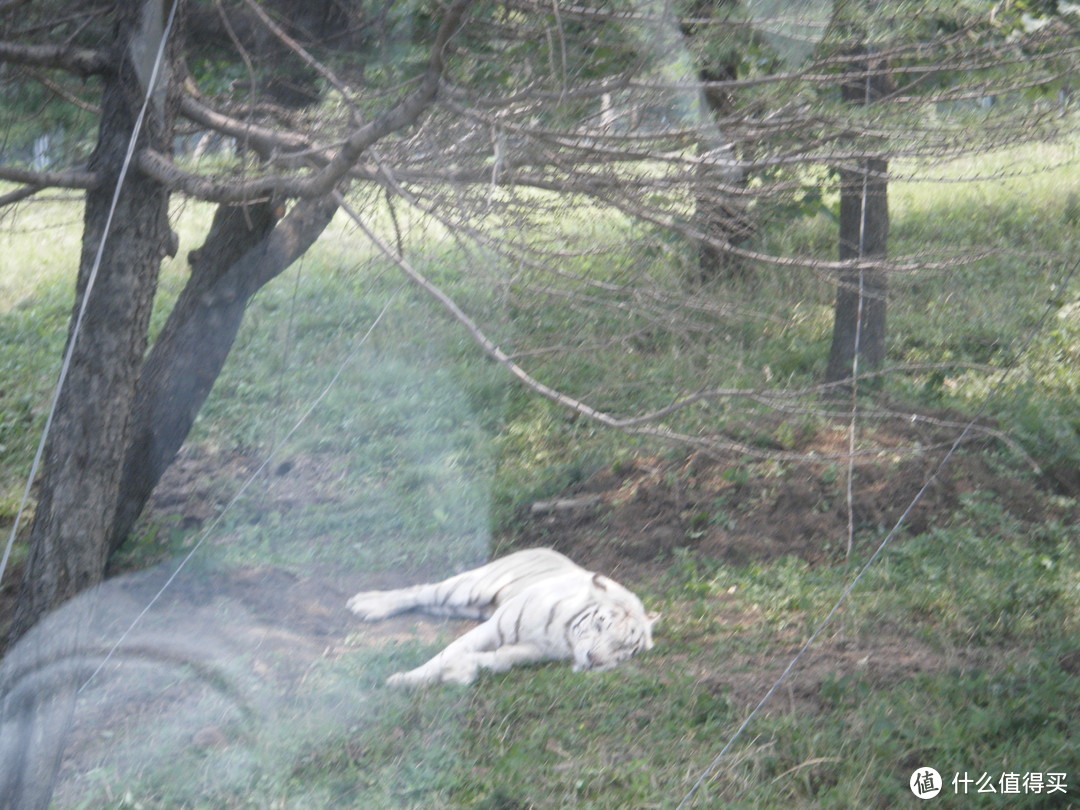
[
  {"x": 264, "y": 141},
  {"x": 322, "y": 181},
  {"x": 81, "y": 61},
  {"x": 62, "y": 92},
  {"x": 159, "y": 167},
  {"x": 300, "y": 51},
  {"x": 19, "y": 194},
  {"x": 65, "y": 179},
  {"x": 633, "y": 425}
]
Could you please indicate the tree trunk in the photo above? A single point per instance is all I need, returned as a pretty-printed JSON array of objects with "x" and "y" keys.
[
  {"x": 85, "y": 449},
  {"x": 84, "y": 452},
  {"x": 719, "y": 213},
  {"x": 243, "y": 251},
  {"x": 859, "y": 314}
]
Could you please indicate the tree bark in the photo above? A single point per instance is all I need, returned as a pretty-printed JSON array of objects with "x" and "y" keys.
[
  {"x": 246, "y": 248},
  {"x": 860, "y": 310},
  {"x": 84, "y": 452}
]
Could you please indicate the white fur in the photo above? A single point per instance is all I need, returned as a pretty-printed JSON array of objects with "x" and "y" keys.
[{"x": 535, "y": 605}]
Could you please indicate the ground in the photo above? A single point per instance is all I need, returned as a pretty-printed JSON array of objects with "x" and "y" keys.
[
  {"x": 633, "y": 521},
  {"x": 628, "y": 519}
]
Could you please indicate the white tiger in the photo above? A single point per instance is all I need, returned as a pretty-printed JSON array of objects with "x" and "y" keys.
[{"x": 535, "y": 605}]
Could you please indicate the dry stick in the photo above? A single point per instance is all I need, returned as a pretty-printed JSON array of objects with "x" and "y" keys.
[
  {"x": 496, "y": 353},
  {"x": 629, "y": 423},
  {"x": 503, "y": 359},
  {"x": 253, "y": 84},
  {"x": 59, "y": 90}
]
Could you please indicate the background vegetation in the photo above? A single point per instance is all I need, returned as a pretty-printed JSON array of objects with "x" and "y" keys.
[{"x": 956, "y": 650}]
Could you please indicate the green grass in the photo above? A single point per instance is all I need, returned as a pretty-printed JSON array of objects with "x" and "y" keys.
[
  {"x": 424, "y": 453},
  {"x": 849, "y": 735}
]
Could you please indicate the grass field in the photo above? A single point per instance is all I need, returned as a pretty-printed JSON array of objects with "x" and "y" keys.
[{"x": 958, "y": 649}]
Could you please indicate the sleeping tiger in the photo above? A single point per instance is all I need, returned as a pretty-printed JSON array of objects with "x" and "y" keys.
[{"x": 535, "y": 605}]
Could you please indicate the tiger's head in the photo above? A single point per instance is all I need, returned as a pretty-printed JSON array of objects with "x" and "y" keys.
[{"x": 613, "y": 629}]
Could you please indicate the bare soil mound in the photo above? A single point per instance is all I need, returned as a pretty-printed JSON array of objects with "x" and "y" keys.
[{"x": 631, "y": 516}]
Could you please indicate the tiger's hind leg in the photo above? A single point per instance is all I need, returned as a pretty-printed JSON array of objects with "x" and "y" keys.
[
  {"x": 373, "y": 606},
  {"x": 465, "y": 668},
  {"x": 470, "y": 595}
]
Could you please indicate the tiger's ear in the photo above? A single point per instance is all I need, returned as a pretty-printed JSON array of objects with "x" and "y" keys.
[
  {"x": 599, "y": 581},
  {"x": 652, "y": 616}
]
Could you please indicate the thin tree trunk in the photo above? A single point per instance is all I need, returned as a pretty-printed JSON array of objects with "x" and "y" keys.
[
  {"x": 720, "y": 213},
  {"x": 860, "y": 311},
  {"x": 859, "y": 314},
  {"x": 243, "y": 251},
  {"x": 85, "y": 449}
]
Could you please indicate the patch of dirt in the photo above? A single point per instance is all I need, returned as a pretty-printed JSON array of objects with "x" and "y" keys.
[
  {"x": 628, "y": 519},
  {"x": 311, "y": 607},
  {"x": 200, "y": 483}
]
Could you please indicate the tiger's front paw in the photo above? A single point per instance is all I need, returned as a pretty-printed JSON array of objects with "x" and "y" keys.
[{"x": 462, "y": 671}]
